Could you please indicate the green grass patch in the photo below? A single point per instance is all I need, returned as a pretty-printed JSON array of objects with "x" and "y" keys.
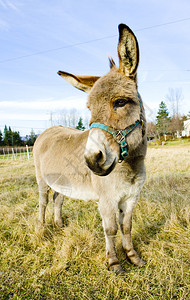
[{"x": 178, "y": 142}]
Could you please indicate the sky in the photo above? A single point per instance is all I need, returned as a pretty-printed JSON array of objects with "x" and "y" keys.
[{"x": 38, "y": 38}]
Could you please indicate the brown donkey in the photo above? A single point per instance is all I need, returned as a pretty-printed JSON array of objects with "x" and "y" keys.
[{"x": 105, "y": 163}]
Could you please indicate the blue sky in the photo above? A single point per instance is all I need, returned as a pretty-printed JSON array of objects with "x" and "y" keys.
[{"x": 38, "y": 38}]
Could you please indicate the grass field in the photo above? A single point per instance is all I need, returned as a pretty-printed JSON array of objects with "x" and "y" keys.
[
  {"x": 70, "y": 263},
  {"x": 177, "y": 142}
]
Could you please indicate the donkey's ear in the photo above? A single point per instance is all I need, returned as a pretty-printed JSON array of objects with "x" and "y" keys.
[
  {"x": 81, "y": 82},
  {"x": 128, "y": 51}
]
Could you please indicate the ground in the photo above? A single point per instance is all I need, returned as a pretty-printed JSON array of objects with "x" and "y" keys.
[{"x": 70, "y": 263}]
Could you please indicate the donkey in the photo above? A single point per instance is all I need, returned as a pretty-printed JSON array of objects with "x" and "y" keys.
[{"x": 106, "y": 162}]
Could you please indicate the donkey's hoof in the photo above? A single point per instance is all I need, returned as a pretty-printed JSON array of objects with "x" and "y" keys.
[
  {"x": 135, "y": 259},
  {"x": 138, "y": 262},
  {"x": 141, "y": 263},
  {"x": 59, "y": 223},
  {"x": 117, "y": 269}
]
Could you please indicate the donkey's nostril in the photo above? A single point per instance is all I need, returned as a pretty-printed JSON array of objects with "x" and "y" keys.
[{"x": 99, "y": 156}]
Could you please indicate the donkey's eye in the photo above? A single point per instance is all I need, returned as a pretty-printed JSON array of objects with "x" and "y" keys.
[{"x": 119, "y": 103}]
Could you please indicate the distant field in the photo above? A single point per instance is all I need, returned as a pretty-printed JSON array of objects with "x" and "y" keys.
[
  {"x": 70, "y": 263},
  {"x": 177, "y": 142}
]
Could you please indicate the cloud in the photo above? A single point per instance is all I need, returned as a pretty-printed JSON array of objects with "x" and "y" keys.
[
  {"x": 45, "y": 104},
  {"x": 8, "y": 5},
  {"x": 21, "y": 116},
  {"x": 12, "y": 6},
  {"x": 38, "y": 110}
]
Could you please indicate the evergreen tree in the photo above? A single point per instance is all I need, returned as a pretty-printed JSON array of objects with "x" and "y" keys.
[
  {"x": 162, "y": 119},
  {"x": 1, "y": 138},
  {"x": 7, "y": 136},
  {"x": 11, "y": 138},
  {"x": 5, "y": 141},
  {"x": 5, "y": 129},
  {"x": 16, "y": 138},
  {"x": 80, "y": 125}
]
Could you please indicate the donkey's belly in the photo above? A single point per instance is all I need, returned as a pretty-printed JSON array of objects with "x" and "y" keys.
[{"x": 72, "y": 189}]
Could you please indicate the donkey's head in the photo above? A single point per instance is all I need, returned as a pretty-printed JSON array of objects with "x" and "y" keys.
[{"x": 116, "y": 109}]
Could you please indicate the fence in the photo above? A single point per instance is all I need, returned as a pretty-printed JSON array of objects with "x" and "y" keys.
[{"x": 16, "y": 152}]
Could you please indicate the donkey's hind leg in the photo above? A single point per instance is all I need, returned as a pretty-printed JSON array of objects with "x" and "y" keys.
[
  {"x": 43, "y": 201},
  {"x": 58, "y": 202}
]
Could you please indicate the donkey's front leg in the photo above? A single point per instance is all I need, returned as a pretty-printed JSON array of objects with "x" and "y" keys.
[
  {"x": 58, "y": 202},
  {"x": 108, "y": 215},
  {"x": 125, "y": 221}
]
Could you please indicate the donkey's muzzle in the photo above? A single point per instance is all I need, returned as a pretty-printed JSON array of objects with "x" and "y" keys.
[{"x": 94, "y": 162}]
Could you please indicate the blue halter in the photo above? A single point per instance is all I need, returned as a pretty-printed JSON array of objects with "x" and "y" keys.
[{"x": 120, "y": 135}]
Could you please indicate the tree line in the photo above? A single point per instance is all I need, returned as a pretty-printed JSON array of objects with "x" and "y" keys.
[
  {"x": 167, "y": 123},
  {"x": 12, "y": 138}
]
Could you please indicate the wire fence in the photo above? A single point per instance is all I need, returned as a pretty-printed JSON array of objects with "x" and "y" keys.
[{"x": 16, "y": 152}]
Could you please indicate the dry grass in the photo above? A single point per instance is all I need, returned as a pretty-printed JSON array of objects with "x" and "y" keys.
[{"x": 71, "y": 263}]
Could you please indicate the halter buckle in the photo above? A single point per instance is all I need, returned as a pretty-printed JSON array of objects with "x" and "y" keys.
[{"x": 119, "y": 137}]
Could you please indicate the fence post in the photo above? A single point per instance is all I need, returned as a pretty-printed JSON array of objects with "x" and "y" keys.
[
  {"x": 27, "y": 151},
  {"x": 14, "y": 157}
]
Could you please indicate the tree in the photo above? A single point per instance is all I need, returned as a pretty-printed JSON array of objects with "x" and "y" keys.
[
  {"x": 176, "y": 125},
  {"x": 151, "y": 130},
  {"x": 162, "y": 119},
  {"x": 16, "y": 138},
  {"x": 11, "y": 138},
  {"x": 7, "y": 136},
  {"x": 184, "y": 118},
  {"x": 175, "y": 97},
  {"x": 30, "y": 139},
  {"x": 1, "y": 138},
  {"x": 80, "y": 125}
]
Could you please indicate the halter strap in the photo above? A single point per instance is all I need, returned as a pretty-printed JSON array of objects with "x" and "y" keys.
[{"x": 120, "y": 135}]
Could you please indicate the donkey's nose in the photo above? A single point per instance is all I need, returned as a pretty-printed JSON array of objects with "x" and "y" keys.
[
  {"x": 99, "y": 157},
  {"x": 94, "y": 161}
]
